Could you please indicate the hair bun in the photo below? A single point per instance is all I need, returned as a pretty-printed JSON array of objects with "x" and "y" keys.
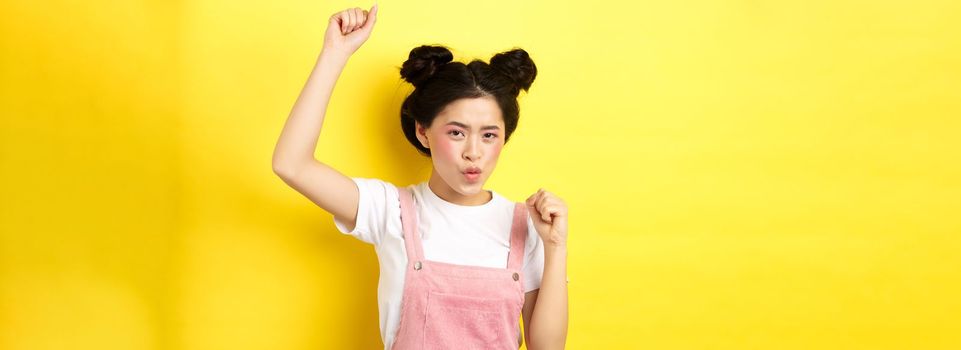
[
  {"x": 516, "y": 64},
  {"x": 423, "y": 62}
]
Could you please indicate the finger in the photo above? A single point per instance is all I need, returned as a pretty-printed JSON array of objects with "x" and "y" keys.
[
  {"x": 538, "y": 195},
  {"x": 546, "y": 214},
  {"x": 535, "y": 199},
  {"x": 538, "y": 218},
  {"x": 363, "y": 15},
  {"x": 542, "y": 205},
  {"x": 553, "y": 211},
  {"x": 547, "y": 217},
  {"x": 358, "y": 18},
  {"x": 543, "y": 200},
  {"x": 533, "y": 210},
  {"x": 344, "y": 18},
  {"x": 371, "y": 18},
  {"x": 349, "y": 16},
  {"x": 532, "y": 199}
]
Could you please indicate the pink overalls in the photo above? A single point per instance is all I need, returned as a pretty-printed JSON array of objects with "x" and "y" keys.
[{"x": 449, "y": 306}]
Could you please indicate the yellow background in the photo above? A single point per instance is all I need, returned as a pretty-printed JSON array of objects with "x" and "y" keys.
[{"x": 740, "y": 174}]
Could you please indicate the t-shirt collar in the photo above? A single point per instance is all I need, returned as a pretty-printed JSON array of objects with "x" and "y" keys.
[{"x": 433, "y": 197}]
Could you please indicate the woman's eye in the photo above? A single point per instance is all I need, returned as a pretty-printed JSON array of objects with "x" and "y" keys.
[
  {"x": 492, "y": 135},
  {"x": 453, "y": 132}
]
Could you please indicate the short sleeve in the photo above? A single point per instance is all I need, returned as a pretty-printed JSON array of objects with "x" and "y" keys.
[
  {"x": 377, "y": 201},
  {"x": 533, "y": 258}
]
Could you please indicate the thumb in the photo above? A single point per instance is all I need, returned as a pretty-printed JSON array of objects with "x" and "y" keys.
[{"x": 371, "y": 18}]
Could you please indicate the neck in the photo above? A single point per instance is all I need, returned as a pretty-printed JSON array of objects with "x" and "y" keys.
[{"x": 445, "y": 192}]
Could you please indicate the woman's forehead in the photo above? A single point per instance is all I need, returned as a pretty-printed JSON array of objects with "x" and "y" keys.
[{"x": 481, "y": 112}]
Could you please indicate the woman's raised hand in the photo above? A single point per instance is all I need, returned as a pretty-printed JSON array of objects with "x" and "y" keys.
[
  {"x": 347, "y": 30},
  {"x": 549, "y": 214}
]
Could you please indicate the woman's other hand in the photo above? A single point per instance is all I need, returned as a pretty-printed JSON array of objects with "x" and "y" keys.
[
  {"x": 549, "y": 214},
  {"x": 347, "y": 30}
]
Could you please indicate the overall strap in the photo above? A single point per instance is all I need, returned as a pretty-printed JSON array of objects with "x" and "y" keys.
[
  {"x": 515, "y": 259},
  {"x": 408, "y": 218}
]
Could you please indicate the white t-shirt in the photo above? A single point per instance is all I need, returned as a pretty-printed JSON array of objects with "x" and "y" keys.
[{"x": 457, "y": 234}]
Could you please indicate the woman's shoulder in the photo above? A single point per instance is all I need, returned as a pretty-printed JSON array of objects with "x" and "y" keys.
[
  {"x": 502, "y": 200},
  {"x": 378, "y": 182},
  {"x": 380, "y": 191}
]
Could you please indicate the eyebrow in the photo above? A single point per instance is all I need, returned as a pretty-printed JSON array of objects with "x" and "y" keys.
[{"x": 488, "y": 127}]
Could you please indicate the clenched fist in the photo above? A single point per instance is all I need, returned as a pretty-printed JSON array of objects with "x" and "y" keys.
[
  {"x": 549, "y": 214},
  {"x": 348, "y": 29}
]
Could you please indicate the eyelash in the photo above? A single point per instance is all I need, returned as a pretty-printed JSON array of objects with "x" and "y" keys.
[{"x": 490, "y": 133}]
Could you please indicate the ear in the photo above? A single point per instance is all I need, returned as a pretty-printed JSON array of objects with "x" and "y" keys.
[{"x": 421, "y": 132}]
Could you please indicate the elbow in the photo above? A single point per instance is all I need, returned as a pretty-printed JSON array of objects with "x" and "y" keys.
[
  {"x": 284, "y": 169},
  {"x": 280, "y": 169},
  {"x": 285, "y": 166}
]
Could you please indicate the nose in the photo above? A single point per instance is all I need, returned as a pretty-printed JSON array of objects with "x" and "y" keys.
[{"x": 472, "y": 150}]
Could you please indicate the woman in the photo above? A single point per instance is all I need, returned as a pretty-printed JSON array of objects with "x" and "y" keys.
[{"x": 458, "y": 263}]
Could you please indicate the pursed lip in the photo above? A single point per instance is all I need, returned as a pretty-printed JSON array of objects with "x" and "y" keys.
[{"x": 472, "y": 170}]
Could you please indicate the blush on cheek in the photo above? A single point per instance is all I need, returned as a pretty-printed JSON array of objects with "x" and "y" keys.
[
  {"x": 496, "y": 150},
  {"x": 444, "y": 147},
  {"x": 445, "y": 155}
]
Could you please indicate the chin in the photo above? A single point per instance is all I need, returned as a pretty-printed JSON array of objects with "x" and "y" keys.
[
  {"x": 468, "y": 188},
  {"x": 471, "y": 188},
  {"x": 460, "y": 184}
]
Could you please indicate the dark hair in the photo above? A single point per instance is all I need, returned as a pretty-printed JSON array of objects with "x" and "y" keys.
[{"x": 438, "y": 81}]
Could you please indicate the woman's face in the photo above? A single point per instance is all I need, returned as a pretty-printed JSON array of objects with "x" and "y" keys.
[{"x": 465, "y": 140}]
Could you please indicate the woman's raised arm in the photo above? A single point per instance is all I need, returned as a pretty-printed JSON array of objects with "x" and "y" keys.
[{"x": 293, "y": 157}]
